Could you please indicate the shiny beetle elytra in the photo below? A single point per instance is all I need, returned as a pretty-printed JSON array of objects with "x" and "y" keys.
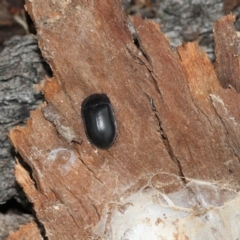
[{"x": 99, "y": 120}]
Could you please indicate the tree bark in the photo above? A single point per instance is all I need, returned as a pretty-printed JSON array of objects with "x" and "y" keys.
[
  {"x": 178, "y": 128},
  {"x": 29, "y": 231},
  {"x": 11, "y": 222},
  {"x": 21, "y": 67}
]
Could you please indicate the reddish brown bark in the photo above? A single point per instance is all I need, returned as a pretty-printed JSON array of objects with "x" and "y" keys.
[
  {"x": 27, "y": 232},
  {"x": 175, "y": 121}
]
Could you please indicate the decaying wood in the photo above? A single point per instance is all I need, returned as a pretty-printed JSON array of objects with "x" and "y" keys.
[
  {"x": 21, "y": 66},
  {"x": 175, "y": 121}
]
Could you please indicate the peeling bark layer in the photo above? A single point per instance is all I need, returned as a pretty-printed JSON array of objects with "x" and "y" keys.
[
  {"x": 21, "y": 66},
  {"x": 27, "y": 232},
  {"x": 227, "y": 52},
  {"x": 175, "y": 121},
  {"x": 11, "y": 222}
]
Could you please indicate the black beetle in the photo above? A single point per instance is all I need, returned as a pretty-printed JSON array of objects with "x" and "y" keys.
[{"x": 99, "y": 120}]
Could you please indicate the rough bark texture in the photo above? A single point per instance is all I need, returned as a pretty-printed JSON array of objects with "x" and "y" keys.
[
  {"x": 175, "y": 121},
  {"x": 227, "y": 62},
  {"x": 21, "y": 66},
  {"x": 11, "y": 222},
  {"x": 190, "y": 22},
  {"x": 229, "y": 5},
  {"x": 29, "y": 231}
]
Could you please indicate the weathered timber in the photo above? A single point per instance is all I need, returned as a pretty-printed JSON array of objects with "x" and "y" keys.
[{"x": 176, "y": 123}]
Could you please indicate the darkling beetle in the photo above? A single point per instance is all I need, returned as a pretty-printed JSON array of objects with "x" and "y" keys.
[{"x": 99, "y": 120}]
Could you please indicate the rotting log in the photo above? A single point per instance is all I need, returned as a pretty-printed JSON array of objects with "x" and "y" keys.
[{"x": 177, "y": 145}]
